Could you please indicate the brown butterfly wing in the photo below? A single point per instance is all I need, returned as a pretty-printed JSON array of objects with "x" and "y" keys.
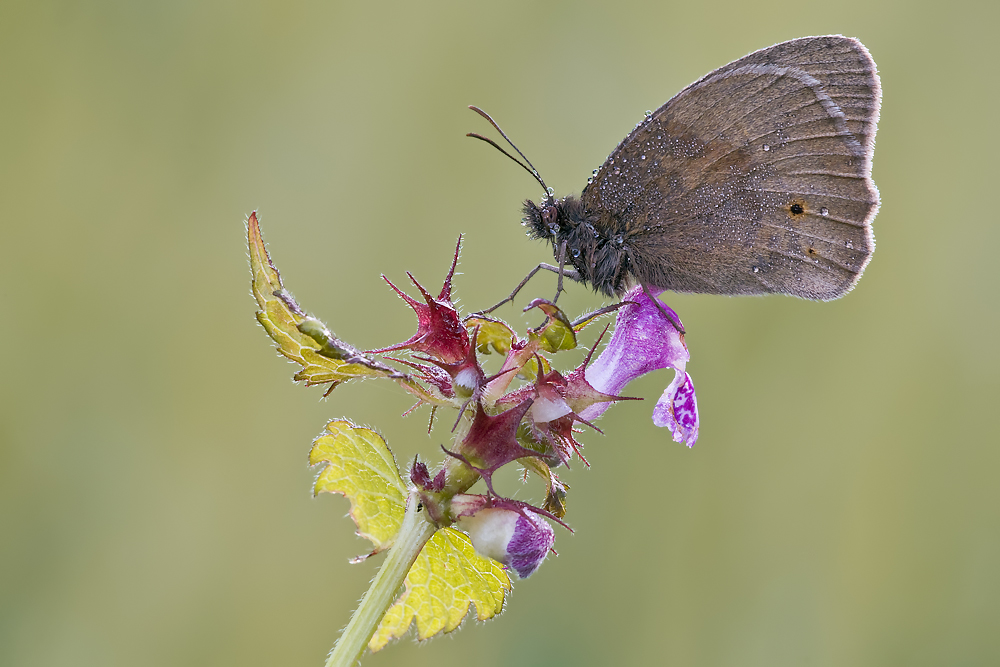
[{"x": 755, "y": 179}]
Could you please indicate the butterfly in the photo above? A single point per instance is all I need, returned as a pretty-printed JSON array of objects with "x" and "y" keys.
[{"x": 755, "y": 179}]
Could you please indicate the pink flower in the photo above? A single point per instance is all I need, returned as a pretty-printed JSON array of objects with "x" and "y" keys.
[{"x": 645, "y": 340}]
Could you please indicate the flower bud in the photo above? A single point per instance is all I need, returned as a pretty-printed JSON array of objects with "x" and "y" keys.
[{"x": 519, "y": 540}]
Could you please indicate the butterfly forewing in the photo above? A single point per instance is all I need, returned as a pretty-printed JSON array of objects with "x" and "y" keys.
[{"x": 753, "y": 180}]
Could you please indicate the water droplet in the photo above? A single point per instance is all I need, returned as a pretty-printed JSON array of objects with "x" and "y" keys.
[
  {"x": 553, "y": 229},
  {"x": 824, "y": 211},
  {"x": 642, "y": 157},
  {"x": 649, "y": 114},
  {"x": 849, "y": 244},
  {"x": 618, "y": 172},
  {"x": 551, "y": 191},
  {"x": 756, "y": 269},
  {"x": 766, "y": 148},
  {"x": 618, "y": 239},
  {"x": 590, "y": 181},
  {"x": 575, "y": 252},
  {"x": 595, "y": 171}
]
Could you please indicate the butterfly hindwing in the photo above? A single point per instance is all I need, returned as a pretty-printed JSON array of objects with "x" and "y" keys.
[{"x": 755, "y": 179}]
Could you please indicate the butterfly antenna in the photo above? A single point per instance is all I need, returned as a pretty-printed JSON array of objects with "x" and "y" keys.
[
  {"x": 530, "y": 168},
  {"x": 476, "y": 135}
]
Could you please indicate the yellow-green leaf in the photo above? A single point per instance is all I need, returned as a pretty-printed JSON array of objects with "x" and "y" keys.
[
  {"x": 529, "y": 369},
  {"x": 360, "y": 466},
  {"x": 492, "y": 334},
  {"x": 557, "y": 333},
  {"x": 303, "y": 339},
  {"x": 446, "y": 578}
]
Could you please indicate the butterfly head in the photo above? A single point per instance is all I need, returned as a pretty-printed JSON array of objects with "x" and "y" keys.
[
  {"x": 549, "y": 219},
  {"x": 577, "y": 240}
]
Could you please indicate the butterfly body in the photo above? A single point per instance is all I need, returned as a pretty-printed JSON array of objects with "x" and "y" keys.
[{"x": 755, "y": 179}]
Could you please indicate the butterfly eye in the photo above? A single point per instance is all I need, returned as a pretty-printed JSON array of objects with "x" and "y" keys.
[{"x": 549, "y": 215}]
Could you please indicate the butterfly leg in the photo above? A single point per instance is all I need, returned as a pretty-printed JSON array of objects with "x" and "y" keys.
[
  {"x": 659, "y": 306},
  {"x": 561, "y": 271},
  {"x": 562, "y": 268}
]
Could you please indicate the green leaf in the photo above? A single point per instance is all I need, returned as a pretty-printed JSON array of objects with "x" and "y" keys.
[
  {"x": 557, "y": 333},
  {"x": 360, "y": 466},
  {"x": 303, "y": 339},
  {"x": 529, "y": 363},
  {"x": 447, "y": 577},
  {"x": 492, "y": 334}
]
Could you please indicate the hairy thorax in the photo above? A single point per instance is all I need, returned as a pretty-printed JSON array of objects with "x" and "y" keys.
[{"x": 593, "y": 247}]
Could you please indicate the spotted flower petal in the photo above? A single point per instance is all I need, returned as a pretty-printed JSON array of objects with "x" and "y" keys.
[
  {"x": 677, "y": 409},
  {"x": 645, "y": 340}
]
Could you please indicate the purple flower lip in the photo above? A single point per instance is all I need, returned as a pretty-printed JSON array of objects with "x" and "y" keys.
[{"x": 644, "y": 340}]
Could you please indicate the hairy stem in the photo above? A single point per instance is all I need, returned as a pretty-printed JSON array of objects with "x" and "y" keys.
[{"x": 413, "y": 535}]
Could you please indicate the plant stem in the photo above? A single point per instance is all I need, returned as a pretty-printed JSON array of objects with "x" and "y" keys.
[{"x": 413, "y": 535}]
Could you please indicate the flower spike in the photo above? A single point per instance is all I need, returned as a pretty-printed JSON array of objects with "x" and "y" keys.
[{"x": 528, "y": 413}]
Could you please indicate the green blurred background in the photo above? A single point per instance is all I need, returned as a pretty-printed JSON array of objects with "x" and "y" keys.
[{"x": 840, "y": 508}]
